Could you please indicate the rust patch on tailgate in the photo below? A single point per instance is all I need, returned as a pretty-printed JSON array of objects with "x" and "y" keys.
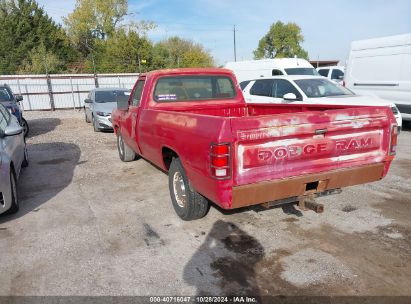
[{"x": 263, "y": 192}]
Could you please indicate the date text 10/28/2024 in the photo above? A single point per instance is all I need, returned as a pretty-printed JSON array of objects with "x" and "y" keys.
[{"x": 203, "y": 299}]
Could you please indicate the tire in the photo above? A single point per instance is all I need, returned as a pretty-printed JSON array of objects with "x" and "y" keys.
[
  {"x": 25, "y": 126},
  {"x": 96, "y": 129},
  {"x": 188, "y": 204},
  {"x": 86, "y": 117},
  {"x": 125, "y": 153},
  {"x": 14, "y": 199},
  {"x": 25, "y": 162}
]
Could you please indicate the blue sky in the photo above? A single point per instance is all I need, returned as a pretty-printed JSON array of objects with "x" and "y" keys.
[{"x": 328, "y": 26}]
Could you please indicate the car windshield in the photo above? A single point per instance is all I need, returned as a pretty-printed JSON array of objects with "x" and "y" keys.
[
  {"x": 112, "y": 96},
  {"x": 302, "y": 71},
  {"x": 5, "y": 95},
  {"x": 315, "y": 88},
  {"x": 202, "y": 87}
]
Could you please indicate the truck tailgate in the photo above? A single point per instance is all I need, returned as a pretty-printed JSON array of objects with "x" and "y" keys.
[{"x": 271, "y": 147}]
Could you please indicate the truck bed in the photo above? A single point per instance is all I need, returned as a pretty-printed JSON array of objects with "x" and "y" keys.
[{"x": 271, "y": 142}]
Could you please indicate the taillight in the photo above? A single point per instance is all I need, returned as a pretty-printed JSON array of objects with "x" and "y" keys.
[
  {"x": 220, "y": 161},
  {"x": 393, "y": 140}
]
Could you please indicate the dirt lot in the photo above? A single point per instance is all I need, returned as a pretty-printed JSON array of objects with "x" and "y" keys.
[{"x": 92, "y": 225}]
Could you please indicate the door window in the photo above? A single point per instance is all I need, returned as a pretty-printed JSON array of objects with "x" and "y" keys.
[
  {"x": 282, "y": 87},
  {"x": 135, "y": 100},
  {"x": 337, "y": 74},
  {"x": 262, "y": 87},
  {"x": 4, "y": 118},
  {"x": 323, "y": 72},
  {"x": 243, "y": 84}
]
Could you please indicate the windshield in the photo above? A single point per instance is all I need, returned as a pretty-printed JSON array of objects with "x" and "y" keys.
[
  {"x": 315, "y": 88},
  {"x": 5, "y": 95},
  {"x": 202, "y": 87},
  {"x": 112, "y": 96},
  {"x": 302, "y": 71}
]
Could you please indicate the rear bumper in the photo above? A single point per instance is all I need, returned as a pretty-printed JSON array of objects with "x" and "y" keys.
[{"x": 262, "y": 192}]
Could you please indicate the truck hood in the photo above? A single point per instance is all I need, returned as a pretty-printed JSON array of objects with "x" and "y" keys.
[{"x": 106, "y": 107}]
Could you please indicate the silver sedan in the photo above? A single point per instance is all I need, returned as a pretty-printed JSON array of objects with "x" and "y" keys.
[
  {"x": 100, "y": 103},
  {"x": 13, "y": 156}
]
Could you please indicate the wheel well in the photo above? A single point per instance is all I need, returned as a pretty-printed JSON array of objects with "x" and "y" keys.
[
  {"x": 12, "y": 168},
  {"x": 168, "y": 156}
]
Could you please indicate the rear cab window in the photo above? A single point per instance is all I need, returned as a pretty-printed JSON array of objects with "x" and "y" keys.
[{"x": 194, "y": 88}]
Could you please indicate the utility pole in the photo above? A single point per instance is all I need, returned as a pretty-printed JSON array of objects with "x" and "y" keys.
[{"x": 235, "y": 47}]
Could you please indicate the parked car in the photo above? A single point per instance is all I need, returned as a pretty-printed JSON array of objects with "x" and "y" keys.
[
  {"x": 252, "y": 69},
  {"x": 100, "y": 103},
  {"x": 309, "y": 90},
  {"x": 382, "y": 67},
  {"x": 195, "y": 125},
  {"x": 13, "y": 156},
  {"x": 335, "y": 73},
  {"x": 12, "y": 103}
]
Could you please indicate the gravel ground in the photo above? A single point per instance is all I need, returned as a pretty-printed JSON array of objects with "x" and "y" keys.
[{"x": 92, "y": 225}]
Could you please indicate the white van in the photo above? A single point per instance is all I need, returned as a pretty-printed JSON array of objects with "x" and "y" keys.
[
  {"x": 382, "y": 67},
  {"x": 252, "y": 69}
]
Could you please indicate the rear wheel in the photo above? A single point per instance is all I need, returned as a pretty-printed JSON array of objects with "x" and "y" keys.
[
  {"x": 125, "y": 153},
  {"x": 13, "y": 187},
  {"x": 188, "y": 204}
]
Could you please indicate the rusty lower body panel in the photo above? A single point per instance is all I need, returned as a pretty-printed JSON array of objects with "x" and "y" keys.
[{"x": 267, "y": 191}]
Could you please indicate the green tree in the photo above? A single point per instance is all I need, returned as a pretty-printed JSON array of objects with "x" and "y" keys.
[
  {"x": 125, "y": 51},
  {"x": 41, "y": 61},
  {"x": 92, "y": 18},
  {"x": 177, "y": 52},
  {"x": 282, "y": 40},
  {"x": 24, "y": 27}
]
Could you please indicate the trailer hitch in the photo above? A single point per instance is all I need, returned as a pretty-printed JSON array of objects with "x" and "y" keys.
[{"x": 309, "y": 203}]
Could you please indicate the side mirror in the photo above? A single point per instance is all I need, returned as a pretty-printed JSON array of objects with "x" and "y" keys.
[
  {"x": 341, "y": 77},
  {"x": 88, "y": 100},
  {"x": 12, "y": 130},
  {"x": 290, "y": 96},
  {"x": 122, "y": 104},
  {"x": 19, "y": 98}
]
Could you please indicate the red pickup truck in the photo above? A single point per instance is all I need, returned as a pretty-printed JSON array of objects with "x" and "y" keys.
[{"x": 195, "y": 125}]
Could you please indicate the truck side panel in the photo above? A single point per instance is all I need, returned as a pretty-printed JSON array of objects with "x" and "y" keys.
[{"x": 190, "y": 137}]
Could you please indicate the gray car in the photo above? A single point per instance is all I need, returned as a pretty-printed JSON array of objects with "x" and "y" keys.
[
  {"x": 100, "y": 103},
  {"x": 13, "y": 156}
]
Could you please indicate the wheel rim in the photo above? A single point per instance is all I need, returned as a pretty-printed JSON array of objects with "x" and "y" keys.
[
  {"x": 120, "y": 145},
  {"x": 179, "y": 189}
]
